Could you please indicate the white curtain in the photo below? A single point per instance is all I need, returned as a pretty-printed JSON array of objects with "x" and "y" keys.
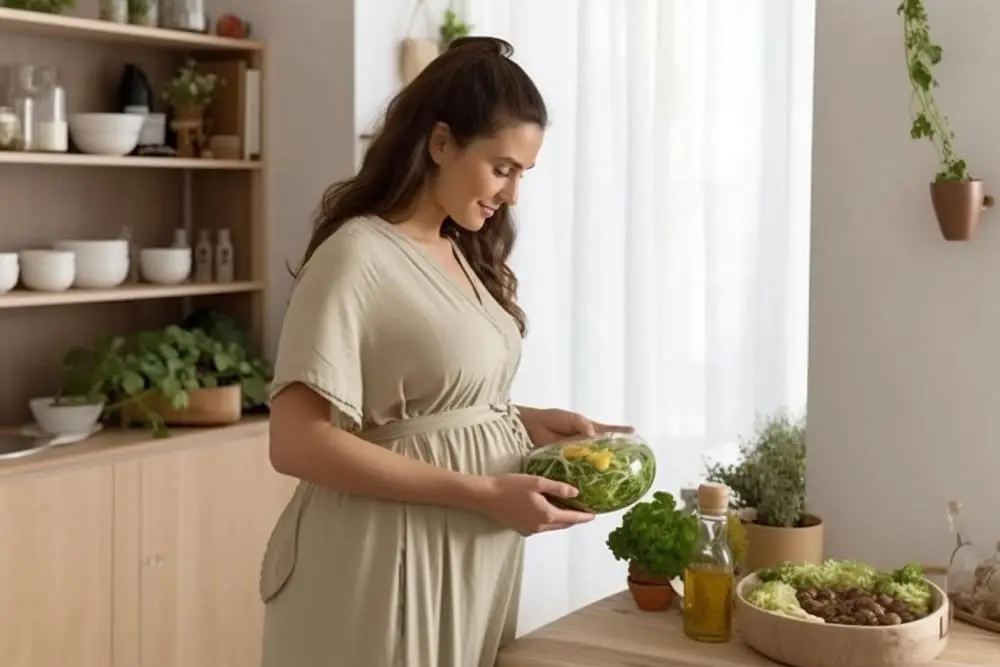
[{"x": 663, "y": 249}]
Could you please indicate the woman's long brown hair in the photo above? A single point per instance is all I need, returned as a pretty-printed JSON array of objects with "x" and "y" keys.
[{"x": 475, "y": 89}]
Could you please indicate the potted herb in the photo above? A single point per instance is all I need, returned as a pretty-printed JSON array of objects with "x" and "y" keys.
[
  {"x": 957, "y": 197},
  {"x": 656, "y": 539},
  {"x": 189, "y": 93},
  {"x": 169, "y": 377},
  {"x": 451, "y": 28},
  {"x": 768, "y": 488},
  {"x": 144, "y": 12},
  {"x": 43, "y": 6}
]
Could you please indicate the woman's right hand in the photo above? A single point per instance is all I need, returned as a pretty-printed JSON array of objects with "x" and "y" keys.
[{"x": 517, "y": 501}]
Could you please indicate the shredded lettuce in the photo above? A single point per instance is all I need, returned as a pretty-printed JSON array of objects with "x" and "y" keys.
[
  {"x": 837, "y": 575},
  {"x": 907, "y": 584},
  {"x": 779, "y": 597}
]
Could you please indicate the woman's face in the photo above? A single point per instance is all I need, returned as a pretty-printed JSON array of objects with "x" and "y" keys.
[{"x": 472, "y": 183}]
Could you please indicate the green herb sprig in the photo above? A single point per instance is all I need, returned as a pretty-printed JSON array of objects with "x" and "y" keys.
[{"x": 922, "y": 55}]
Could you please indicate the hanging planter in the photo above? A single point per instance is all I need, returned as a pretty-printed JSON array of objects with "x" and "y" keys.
[
  {"x": 414, "y": 55},
  {"x": 958, "y": 206},
  {"x": 958, "y": 199}
]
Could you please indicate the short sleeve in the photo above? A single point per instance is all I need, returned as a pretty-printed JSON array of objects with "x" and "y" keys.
[{"x": 321, "y": 335}]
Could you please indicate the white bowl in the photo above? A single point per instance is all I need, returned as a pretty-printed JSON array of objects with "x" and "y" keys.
[
  {"x": 100, "y": 264},
  {"x": 165, "y": 266},
  {"x": 68, "y": 419},
  {"x": 10, "y": 270},
  {"x": 47, "y": 270},
  {"x": 105, "y": 133}
]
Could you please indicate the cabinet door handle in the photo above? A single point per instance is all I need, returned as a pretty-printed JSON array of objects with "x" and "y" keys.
[{"x": 155, "y": 560}]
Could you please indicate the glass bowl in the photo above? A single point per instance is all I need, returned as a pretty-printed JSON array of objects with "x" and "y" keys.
[{"x": 610, "y": 471}]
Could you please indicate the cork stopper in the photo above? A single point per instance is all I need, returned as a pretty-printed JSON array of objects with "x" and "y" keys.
[{"x": 713, "y": 498}]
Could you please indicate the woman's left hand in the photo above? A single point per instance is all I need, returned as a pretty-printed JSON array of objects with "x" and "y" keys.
[{"x": 547, "y": 426}]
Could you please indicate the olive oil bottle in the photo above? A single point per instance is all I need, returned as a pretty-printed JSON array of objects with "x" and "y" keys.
[{"x": 709, "y": 578}]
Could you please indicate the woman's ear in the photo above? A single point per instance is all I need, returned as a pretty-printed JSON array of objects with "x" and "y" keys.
[{"x": 440, "y": 145}]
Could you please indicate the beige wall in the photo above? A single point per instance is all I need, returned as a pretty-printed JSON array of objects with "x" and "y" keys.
[
  {"x": 904, "y": 390},
  {"x": 310, "y": 121}
]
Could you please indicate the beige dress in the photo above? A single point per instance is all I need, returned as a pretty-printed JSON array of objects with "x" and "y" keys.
[{"x": 418, "y": 365}]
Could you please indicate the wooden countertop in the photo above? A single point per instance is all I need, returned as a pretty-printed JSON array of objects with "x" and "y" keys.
[
  {"x": 113, "y": 444},
  {"x": 614, "y": 633}
]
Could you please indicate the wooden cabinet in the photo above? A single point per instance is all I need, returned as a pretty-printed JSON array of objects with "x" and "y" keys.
[
  {"x": 149, "y": 561},
  {"x": 56, "y": 569}
]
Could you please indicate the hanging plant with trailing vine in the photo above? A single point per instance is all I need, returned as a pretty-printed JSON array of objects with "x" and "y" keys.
[{"x": 922, "y": 55}]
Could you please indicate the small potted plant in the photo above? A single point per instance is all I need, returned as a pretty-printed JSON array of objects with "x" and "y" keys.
[
  {"x": 172, "y": 376},
  {"x": 42, "y": 6},
  {"x": 144, "y": 12},
  {"x": 452, "y": 27},
  {"x": 656, "y": 539},
  {"x": 958, "y": 198},
  {"x": 189, "y": 93},
  {"x": 768, "y": 487}
]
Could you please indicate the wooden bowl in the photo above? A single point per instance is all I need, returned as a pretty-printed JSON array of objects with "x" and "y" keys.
[{"x": 805, "y": 644}]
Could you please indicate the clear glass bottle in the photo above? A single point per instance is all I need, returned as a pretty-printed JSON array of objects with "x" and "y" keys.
[
  {"x": 965, "y": 558},
  {"x": 709, "y": 578},
  {"x": 203, "y": 257},
  {"x": 22, "y": 96},
  {"x": 224, "y": 258},
  {"x": 180, "y": 238},
  {"x": 51, "y": 132}
]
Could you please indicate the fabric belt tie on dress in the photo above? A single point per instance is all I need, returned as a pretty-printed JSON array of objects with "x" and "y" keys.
[{"x": 473, "y": 415}]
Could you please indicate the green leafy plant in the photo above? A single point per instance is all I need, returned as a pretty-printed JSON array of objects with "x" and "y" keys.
[
  {"x": 170, "y": 362},
  {"x": 771, "y": 475},
  {"x": 43, "y": 6},
  {"x": 452, "y": 28},
  {"x": 922, "y": 55},
  {"x": 655, "y": 537},
  {"x": 609, "y": 472},
  {"x": 189, "y": 88},
  {"x": 138, "y": 10}
]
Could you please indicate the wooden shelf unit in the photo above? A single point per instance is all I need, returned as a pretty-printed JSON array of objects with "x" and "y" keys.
[
  {"x": 71, "y": 27},
  {"x": 100, "y": 195},
  {"x": 129, "y": 161},
  {"x": 127, "y": 550}
]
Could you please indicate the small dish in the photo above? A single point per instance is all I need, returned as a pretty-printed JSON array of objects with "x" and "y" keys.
[{"x": 35, "y": 431}]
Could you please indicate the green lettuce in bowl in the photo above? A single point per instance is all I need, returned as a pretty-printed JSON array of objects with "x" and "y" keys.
[{"x": 611, "y": 472}]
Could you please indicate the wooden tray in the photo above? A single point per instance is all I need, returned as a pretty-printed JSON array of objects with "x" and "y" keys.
[{"x": 964, "y": 616}]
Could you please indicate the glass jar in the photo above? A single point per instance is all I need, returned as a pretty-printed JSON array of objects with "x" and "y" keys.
[
  {"x": 184, "y": 15},
  {"x": 115, "y": 11},
  {"x": 51, "y": 133},
  {"x": 611, "y": 471},
  {"x": 10, "y": 130},
  {"x": 22, "y": 96}
]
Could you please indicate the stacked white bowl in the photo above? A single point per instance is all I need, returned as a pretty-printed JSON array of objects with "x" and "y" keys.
[
  {"x": 165, "y": 266},
  {"x": 100, "y": 264},
  {"x": 47, "y": 270},
  {"x": 105, "y": 133},
  {"x": 10, "y": 271}
]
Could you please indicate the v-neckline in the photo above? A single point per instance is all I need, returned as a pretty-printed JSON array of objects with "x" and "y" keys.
[{"x": 474, "y": 293}]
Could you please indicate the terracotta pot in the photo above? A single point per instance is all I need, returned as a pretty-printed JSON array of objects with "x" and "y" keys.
[
  {"x": 640, "y": 576},
  {"x": 768, "y": 546},
  {"x": 191, "y": 113},
  {"x": 206, "y": 407},
  {"x": 189, "y": 124},
  {"x": 651, "y": 597},
  {"x": 958, "y": 206}
]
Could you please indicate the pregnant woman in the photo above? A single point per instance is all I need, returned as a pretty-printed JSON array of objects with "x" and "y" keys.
[{"x": 402, "y": 545}]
